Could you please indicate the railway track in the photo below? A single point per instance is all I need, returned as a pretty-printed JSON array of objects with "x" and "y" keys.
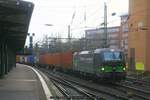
[
  {"x": 86, "y": 95},
  {"x": 123, "y": 92},
  {"x": 136, "y": 81},
  {"x": 62, "y": 90},
  {"x": 138, "y": 88},
  {"x": 132, "y": 91},
  {"x": 92, "y": 92},
  {"x": 137, "y": 92},
  {"x": 69, "y": 95}
]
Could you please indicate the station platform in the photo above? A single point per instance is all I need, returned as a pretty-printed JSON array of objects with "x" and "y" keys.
[{"x": 23, "y": 83}]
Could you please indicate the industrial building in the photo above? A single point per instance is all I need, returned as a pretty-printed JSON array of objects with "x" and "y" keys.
[
  {"x": 97, "y": 37},
  {"x": 139, "y": 34}
]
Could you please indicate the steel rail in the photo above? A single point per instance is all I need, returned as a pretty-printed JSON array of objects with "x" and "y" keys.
[{"x": 97, "y": 90}]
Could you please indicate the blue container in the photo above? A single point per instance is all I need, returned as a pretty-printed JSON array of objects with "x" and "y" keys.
[{"x": 31, "y": 59}]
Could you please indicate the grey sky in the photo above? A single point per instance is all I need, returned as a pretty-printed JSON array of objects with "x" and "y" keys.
[{"x": 60, "y": 12}]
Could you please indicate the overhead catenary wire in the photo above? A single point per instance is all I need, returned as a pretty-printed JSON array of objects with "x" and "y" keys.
[{"x": 91, "y": 16}]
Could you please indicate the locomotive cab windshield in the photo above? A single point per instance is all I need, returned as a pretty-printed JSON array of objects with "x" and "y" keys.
[
  {"x": 113, "y": 60},
  {"x": 112, "y": 56}
]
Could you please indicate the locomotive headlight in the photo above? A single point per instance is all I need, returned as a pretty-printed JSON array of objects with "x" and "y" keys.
[
  {"x": 124, "y": 68},
  {"x": 102, "y": 69}
]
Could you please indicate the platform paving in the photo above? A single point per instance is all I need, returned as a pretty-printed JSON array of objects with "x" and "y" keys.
[{"x": 21, "y": 84}]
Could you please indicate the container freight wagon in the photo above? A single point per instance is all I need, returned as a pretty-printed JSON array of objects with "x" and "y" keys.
[
  {"x": 61, "y": 61},
  {"x": 21, "y": 58},
  {"x": 50, "y": 59},
  {"x": 56, "y": 60},
  {"x": 67, "y": 60},
  {"x": 30, "y": 59},
  {"x": 25, "y": 59},
  {"x": 17, "y": 58},
  {"x": 42, "y": 60}
]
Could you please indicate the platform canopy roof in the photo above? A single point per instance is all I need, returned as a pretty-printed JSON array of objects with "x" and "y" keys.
[{"x": 14, "y": 22}]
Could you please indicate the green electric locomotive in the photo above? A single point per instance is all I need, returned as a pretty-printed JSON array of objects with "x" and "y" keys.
[{"x": 101, "y": 64}]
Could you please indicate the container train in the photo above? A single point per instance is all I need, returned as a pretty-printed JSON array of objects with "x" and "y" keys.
[
  {"x": 25, "y": 59},
  {"x": 100, "y": 63}
]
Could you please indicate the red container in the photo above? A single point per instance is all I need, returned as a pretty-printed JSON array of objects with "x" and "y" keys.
[
  {"x": 67, "y": 60},
  {"x": 42, "y": 59},
  {"x": 59, "y": 60}
]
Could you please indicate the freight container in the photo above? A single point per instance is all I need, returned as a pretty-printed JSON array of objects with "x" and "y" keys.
[
  {"x": 61, "y": 60},
  {"x": 21, "y": 58},
  {"x": 30, "y": 59},
  {"x": 67, "y": 60},
  {"x": 17, "y": 58},
  {"x": 42, "y": 59}
]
